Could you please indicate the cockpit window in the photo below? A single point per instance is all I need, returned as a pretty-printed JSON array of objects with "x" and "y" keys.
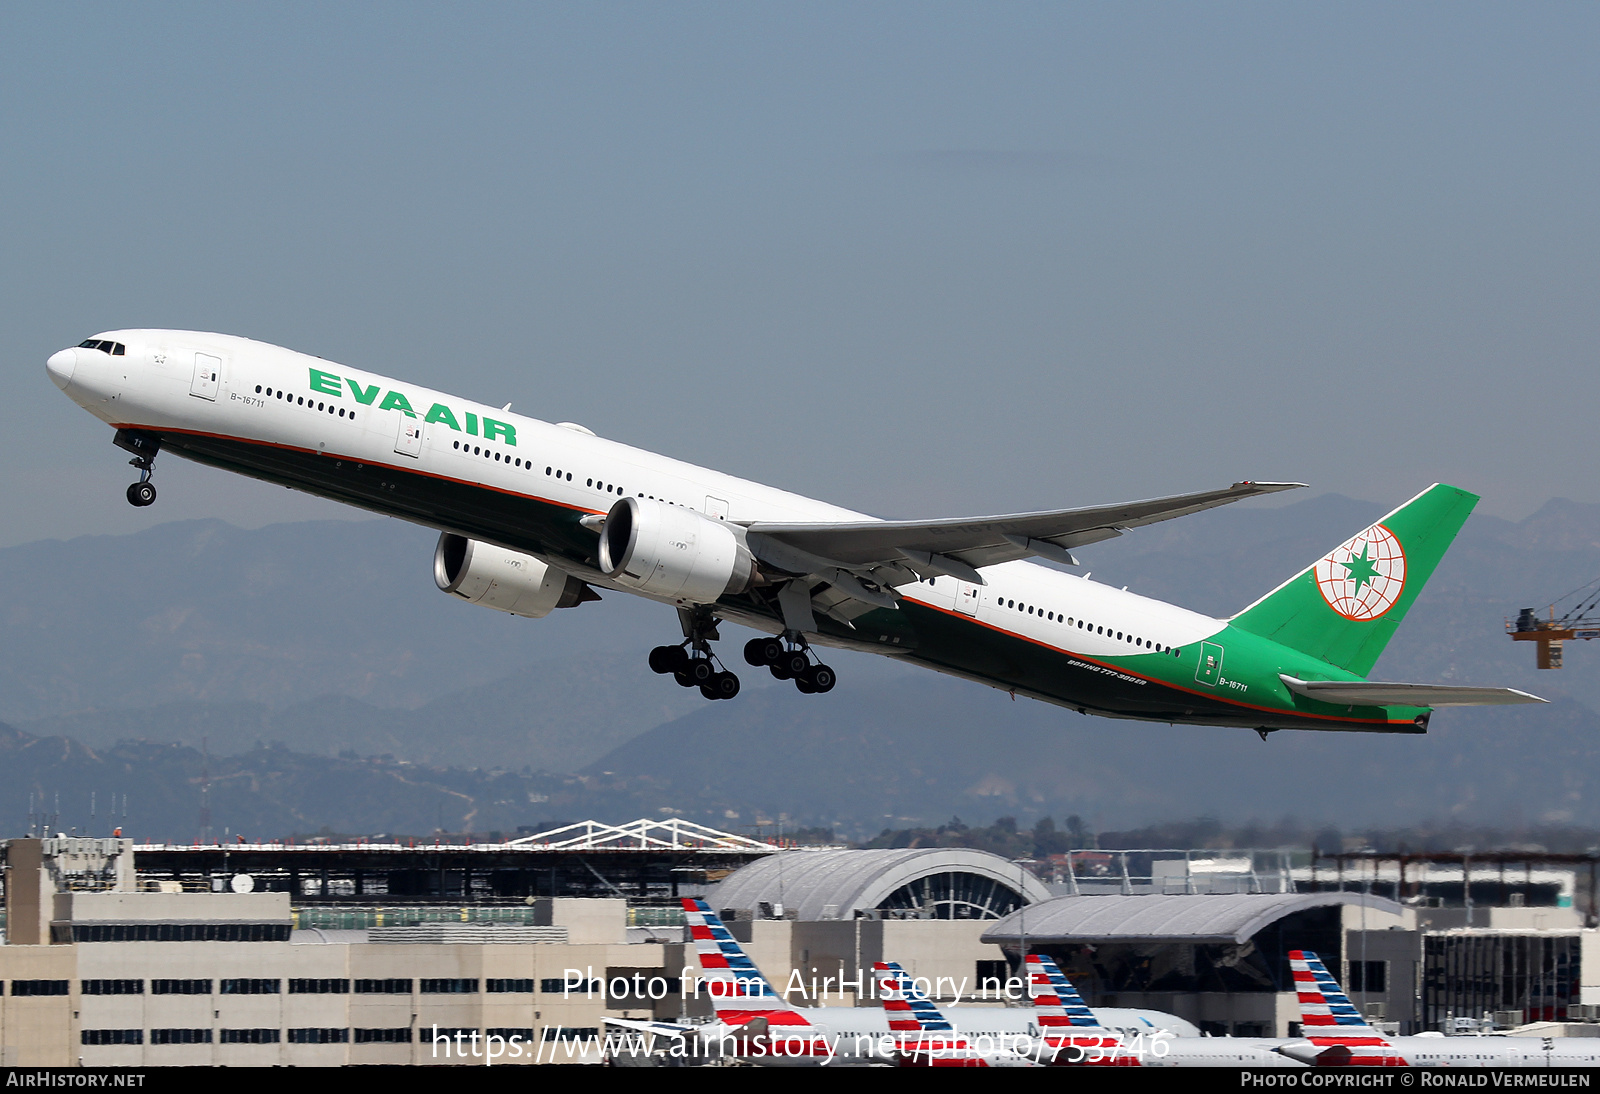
[{"x": 115, "y": 349}]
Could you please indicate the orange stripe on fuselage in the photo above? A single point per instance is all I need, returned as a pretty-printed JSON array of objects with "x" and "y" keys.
[
  {"x": 364, "y": 461},
  {"x": 1150, "y": 679}
]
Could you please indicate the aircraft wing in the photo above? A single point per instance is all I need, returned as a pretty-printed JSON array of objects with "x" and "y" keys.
[
  {"x": 1365, "y": 693},
  {"x": 957, "y": 547}
]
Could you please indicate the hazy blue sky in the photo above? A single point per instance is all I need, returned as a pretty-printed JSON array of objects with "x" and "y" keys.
[{"x": 923, "y": 259}]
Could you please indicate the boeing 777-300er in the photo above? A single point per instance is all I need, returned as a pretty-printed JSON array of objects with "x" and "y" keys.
[{"x": 535, "y": 516}]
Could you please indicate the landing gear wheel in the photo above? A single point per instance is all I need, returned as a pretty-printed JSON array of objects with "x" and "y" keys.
[
  {"x": 141, "y": 494},
  {"x": 821, "y": 679},
  {"x": 668, "y": 659},
  {"x": 691, "y": 663},
  {"x": 779, "y": 672},
  {"x": 795, "y": 663},
  {"x": 804, "y": 686},
  {"x": 724, "y": 685},
  {"x": 753, "y": 654}
]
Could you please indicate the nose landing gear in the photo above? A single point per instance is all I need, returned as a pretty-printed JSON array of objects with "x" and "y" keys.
[
  {"x": 789, "y": 658},
  {"x": 144, "y": 447}
]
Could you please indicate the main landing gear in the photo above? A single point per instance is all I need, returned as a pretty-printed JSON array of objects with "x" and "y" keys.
[
  {"x": 691, "y": 661},
  {"x": 788, "y": 657},
  {"x": 692, "y": 664},
  {"x": 144, "y": 448}
]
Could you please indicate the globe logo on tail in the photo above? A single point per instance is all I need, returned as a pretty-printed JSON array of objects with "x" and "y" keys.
[{"x": 1363, "y": 577}]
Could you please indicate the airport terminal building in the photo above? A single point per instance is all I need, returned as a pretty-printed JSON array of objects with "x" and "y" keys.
[{"x": 115, "y": 956}]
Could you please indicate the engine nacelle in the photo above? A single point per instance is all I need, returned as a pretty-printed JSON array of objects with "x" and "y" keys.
[
  {"x": 666, "y": 550},
  {"x": 493, "y": 577}
]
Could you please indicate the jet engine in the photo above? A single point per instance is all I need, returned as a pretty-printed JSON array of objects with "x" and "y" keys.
[
  {"x": 665, "y": 550},
  {"x": 493, "y": 577}
]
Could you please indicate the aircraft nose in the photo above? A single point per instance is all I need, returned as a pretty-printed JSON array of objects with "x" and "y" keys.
[{"x": 60, "y": 367}]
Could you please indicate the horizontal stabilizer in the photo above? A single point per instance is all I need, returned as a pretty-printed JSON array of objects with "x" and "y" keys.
[
  {"x": 659, "y": 1029},
  {"x": 1371, "y": 693}
]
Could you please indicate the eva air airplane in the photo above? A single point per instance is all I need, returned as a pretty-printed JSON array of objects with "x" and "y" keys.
[{"x": 535, "y": 517}]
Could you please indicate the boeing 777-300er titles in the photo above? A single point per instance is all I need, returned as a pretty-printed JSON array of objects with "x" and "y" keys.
[{"x": 534, "y": 516}]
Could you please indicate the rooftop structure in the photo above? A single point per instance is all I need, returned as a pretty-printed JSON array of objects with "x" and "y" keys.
[{"x": 905, "y": 883}]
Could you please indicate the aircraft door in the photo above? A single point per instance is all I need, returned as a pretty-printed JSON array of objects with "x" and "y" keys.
[
  {"x": 966, "y": 598},
  {"x": 716, "y": 508},
  {"x": 207, "y": 376},
  {"x": 1210, "y": 667},
  {"x": 408, "y": 441}
]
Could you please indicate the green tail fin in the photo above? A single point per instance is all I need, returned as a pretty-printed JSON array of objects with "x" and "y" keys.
[{"x": 1344, "y": 607}]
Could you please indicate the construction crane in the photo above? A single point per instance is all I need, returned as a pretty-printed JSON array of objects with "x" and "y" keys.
[{"x": 1578, "y": 621}]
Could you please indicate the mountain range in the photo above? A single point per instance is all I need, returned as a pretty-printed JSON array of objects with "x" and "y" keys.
[{"x": 330, "y": 685}]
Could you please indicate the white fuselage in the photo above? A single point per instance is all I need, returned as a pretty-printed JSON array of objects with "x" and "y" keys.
[
  {"x": 1496, "y": 1051},
  {"x": 862, "y": 1033},
  {"x": 154, "y": 386}
]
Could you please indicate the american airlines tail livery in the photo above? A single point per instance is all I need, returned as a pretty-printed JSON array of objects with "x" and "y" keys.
[
  {"x": 1336, "y": 1035},
  {"x": 533, "y": 517}
]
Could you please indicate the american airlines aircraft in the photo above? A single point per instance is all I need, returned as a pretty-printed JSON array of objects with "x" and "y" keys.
[
  {"x": 1073, "y": 1035},
  {"x": 756, "y": 1022},
  {"x": 1336, "y": 1035},
  {"x": 923, "y": 1037},
  {"x": 535, "y": 517}
]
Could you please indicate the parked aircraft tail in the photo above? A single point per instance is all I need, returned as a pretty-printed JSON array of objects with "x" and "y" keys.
[
  {"x": 1335, "y": 1033},
  {"x": 1345, "y": 607},
  {"x": 1070, "y": 1031},
  {"x": 908, "y": 1010},
  {"x": 925, "y": 1038},
  {"x": 738, "y": 990},
  {"x": 1056, "y": 1002}
]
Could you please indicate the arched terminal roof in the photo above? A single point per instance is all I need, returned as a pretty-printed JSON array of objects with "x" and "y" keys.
[
  {"x": 836, "y": 884},
  {"x": 1223, "y": 918}
]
